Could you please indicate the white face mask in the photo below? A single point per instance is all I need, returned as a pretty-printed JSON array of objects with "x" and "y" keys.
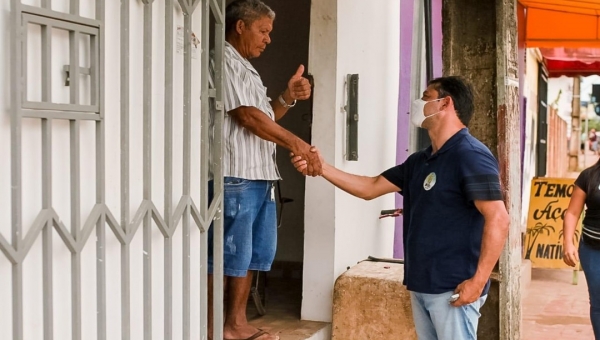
[{"x": 417, "y": 111}]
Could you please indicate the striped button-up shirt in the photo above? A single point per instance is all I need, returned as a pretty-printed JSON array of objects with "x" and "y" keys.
[{"x": 245, "y": 155}]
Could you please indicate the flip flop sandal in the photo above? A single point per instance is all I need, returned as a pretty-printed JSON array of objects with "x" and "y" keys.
[{"x": 254, "y": 336}]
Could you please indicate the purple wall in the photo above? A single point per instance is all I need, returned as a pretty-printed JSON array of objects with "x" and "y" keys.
[
  {"x": 406, "y": 35},
  {"x": 436, "y": 32},
  {"x": 404, "y": 99}
]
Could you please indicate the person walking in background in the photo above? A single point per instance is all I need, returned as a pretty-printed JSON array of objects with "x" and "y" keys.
[
  {"x": 455, "y": 222},
  {"x": 593, "y": 140},
  {"x": 250, "y": 135},
  {"x": 586, "y": 193}
]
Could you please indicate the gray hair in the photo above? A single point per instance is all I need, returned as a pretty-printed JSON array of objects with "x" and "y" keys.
[{"x": 246, "y": 10}]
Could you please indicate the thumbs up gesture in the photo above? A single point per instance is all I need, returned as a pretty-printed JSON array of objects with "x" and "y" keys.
[{"x": 298, "y": 87}]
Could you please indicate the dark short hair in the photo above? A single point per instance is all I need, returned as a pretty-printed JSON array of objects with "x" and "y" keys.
[
  {"x": 246, "y": 10},
  {"x": 460, "y": 92}
]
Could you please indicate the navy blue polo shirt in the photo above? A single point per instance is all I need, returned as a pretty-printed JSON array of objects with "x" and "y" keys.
[{"x": 442, "y": 227}]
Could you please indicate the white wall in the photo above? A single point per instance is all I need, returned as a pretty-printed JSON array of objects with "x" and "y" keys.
[
  {"x": 585, "y": 92},
  {"x": 586, "y": 86},
  {"x": 372, "y": 51},
  {"x": 531, "y": 113},
  {"x": 560, "y": 94},
  {"x": 31, "y": 161},
  {"x": 349, "y": 37}
]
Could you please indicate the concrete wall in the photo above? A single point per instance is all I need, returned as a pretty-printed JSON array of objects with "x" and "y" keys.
[
  {"x": 473, "y": 56},
  {"x": 349, "y": 37}
]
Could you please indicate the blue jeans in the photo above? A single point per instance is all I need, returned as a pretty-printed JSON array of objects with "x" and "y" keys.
[
  {"x": 590, "y": 258},
  {"x": 250, "y": 226},
  {"x": 436, "y": 319}
]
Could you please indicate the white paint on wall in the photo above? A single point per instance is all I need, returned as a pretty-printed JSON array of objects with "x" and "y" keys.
[
  {"x": 370, "y": 49},
  {"x": 348, "y": 38}
]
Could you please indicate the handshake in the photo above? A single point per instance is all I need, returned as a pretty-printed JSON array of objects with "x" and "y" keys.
[{"x": 309, "y": 162}]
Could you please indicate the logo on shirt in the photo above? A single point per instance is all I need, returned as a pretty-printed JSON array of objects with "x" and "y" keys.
[{"x": 429, "y": 181}]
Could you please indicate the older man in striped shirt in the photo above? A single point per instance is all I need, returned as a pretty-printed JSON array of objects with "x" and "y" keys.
[{"x": 250, "y": 137}]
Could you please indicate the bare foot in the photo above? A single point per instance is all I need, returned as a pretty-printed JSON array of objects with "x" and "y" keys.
[{"x": 246, "y": 332}]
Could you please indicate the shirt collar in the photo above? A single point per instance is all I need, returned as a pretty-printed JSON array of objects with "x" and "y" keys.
[
  {"x": 238, "y": 56},
  {"x": 450, "y": 143}
]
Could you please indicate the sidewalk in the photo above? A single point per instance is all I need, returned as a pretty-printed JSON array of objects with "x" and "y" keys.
[
  {"x": 585, "y": 161},
  {"x": 554, "y": 308}
]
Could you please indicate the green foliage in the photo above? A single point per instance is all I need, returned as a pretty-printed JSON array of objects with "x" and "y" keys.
[{"x": 592, "y": 124}]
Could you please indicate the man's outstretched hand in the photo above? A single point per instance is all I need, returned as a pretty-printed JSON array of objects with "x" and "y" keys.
[{"x": 305, "y": 163}]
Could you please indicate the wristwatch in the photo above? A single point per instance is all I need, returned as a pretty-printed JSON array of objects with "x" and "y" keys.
[{"x": 284, "y": 104}]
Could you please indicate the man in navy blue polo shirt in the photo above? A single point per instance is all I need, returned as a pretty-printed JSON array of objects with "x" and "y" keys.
[{"x": 455, "y": 222}]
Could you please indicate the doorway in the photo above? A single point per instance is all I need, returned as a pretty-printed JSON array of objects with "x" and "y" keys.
[{"x": 288, "y": 49}]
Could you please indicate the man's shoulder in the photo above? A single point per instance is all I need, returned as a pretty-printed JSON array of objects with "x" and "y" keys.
[
  {"x": 474, "y": 147},
  {"x": 472, "y": 154}
]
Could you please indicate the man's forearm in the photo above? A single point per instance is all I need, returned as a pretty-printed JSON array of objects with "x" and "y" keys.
[
  {"x": 263, "y": 127},
  {"x": 259, "y": 124},
  {"x": 353, "y": 184},
  {"x": 494, "y": 236},
  {"x": 360, "y": 186}
]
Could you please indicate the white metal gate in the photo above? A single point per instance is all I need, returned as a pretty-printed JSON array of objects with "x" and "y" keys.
[{"x": 81, "y": 162}]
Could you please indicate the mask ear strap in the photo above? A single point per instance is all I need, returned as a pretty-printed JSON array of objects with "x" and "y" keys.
[{"x": 446, "y": 104}]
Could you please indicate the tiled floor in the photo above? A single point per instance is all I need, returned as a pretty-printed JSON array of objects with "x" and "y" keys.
[{"x": 283, "y": 301}]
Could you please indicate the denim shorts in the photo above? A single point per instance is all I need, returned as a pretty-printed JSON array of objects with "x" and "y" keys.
[{"x": 250, "y": 226}]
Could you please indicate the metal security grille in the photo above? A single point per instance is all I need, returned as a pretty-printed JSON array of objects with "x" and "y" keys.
[{"x": 85, "y": 79}]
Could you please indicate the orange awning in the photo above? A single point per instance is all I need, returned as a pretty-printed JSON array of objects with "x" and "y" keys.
[{"x": 562, "y": 23}]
